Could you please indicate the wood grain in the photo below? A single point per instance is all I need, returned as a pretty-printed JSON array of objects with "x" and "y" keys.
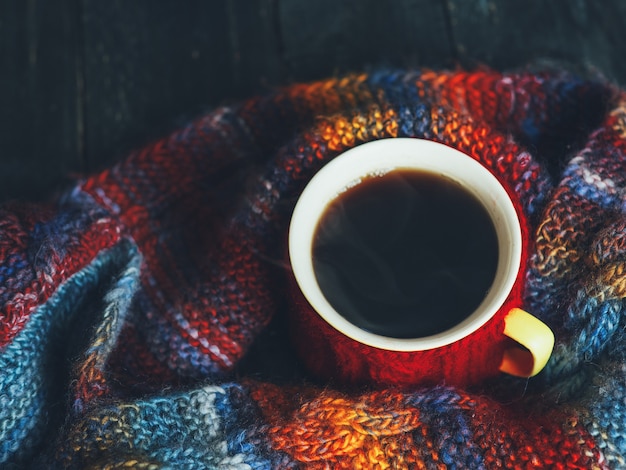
[
  {"x": 83, "y": 82},
  {"x": 40, "y": 139},
  {"x": 585, "y": 35}
]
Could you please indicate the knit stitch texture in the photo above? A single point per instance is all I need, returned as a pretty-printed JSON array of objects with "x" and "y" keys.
[{"x": 142, "y": 313}]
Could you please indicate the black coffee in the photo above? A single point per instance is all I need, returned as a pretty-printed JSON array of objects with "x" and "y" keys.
[{"x": 405, "y": 255}]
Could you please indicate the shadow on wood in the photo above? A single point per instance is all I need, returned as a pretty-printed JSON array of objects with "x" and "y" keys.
[{"x": 84, "y": 82}]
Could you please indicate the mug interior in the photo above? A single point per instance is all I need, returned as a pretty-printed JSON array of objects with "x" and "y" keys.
[{"x": 378, "y": 158}]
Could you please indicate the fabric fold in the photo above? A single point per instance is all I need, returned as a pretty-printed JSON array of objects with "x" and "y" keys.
[{"x": 129, "y": 308}]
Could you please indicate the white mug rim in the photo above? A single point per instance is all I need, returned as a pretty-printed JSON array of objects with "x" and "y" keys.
[{"x": 346, "y": 170}]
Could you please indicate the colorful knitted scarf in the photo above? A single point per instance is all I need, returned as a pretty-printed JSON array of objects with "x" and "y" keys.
[{"x": 142, "y": 313}]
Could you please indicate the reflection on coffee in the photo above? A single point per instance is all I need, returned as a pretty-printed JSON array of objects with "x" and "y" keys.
[{"x": 406, "y": 254}]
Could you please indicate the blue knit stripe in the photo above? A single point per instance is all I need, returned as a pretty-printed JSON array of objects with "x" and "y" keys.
[
  {"x": 445, "y": 414},
  {"x": 399, "y": 86},
  {"x": 60, "y": 233},
  {"x": 583, "y": 179},
  {"x": 188, "y": 360},
  {"x": 605, "y": 415},
  {"x": 596, "y": 323},
  {"x": 28, "y": 368},
  {"x": 12, "y": 275},
  {"x": 117, "y": 301},
  {"x": 185, "y": 430}
]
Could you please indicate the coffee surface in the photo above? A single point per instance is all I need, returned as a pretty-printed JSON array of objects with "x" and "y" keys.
[{"x": 405, "y": 255}]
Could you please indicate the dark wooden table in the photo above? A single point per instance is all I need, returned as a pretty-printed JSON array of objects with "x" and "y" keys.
[{"x": 82, "y": 82}]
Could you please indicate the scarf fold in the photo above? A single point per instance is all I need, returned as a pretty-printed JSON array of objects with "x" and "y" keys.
[{"x": 141, "y": 314}]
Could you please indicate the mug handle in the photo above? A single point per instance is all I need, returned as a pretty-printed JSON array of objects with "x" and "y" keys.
[{"x": 536, "y": 338}]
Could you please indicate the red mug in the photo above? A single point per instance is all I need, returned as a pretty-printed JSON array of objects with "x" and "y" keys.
[{"x": 493, "y": 337}]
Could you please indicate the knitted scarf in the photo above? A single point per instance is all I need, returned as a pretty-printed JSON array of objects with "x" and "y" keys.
[{"x": 141, "y": 313}]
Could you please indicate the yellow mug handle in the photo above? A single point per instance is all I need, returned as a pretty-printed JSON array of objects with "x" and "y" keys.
[{"x": 536, "y": 338}]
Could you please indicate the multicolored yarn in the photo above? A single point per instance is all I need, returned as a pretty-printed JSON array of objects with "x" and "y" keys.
[{"x": 140, "y": 314}]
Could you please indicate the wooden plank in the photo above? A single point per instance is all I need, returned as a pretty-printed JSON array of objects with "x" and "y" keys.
[
  {"x": 113, "y": 75},
  {"x": 147, "y": 64},
  {"x": 581, "y": 34},
  {"x": 257, "y": 62},
  {"x": 329, "y": 36},
  {"x": 151, "y": 65},
  {"x": 39, "y": 100}
]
